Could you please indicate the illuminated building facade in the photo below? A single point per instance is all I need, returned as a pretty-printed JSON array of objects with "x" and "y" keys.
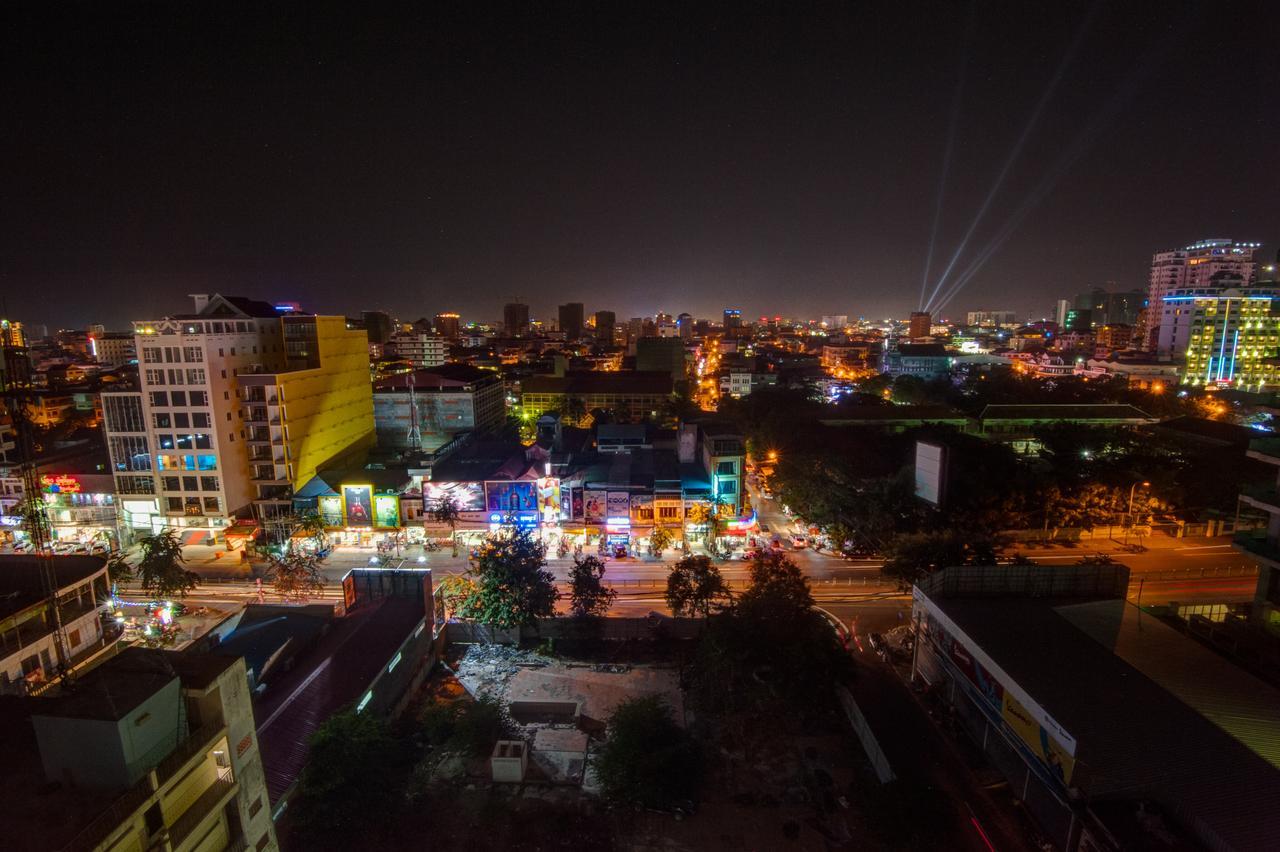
[
  {"x": 1229, "y": 337},
  {"x": 1192, "y": 267}
]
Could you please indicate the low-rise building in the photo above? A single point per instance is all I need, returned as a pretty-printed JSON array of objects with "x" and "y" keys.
[
  {"x": 923, "y": 360},
  {"x": 1016, "y": 424},
  {"x": 448, "y": 400},
  {"x": 420, "y": 349},
  {"x": 632, "y": 396}
]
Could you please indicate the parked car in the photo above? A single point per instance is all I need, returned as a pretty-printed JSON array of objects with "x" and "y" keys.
[{"x": 799, "y": 541}]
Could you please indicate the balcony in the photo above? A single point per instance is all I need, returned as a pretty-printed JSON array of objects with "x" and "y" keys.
[
  {"x": 1265, "y": 497},
  {"x": 254, "y": 414},
  {"x": 1265, "y": 449},
  {"x": 209, "y": 803},
  {"x": 263, "y": 475},
  {"x": 1257, "y": 544}
]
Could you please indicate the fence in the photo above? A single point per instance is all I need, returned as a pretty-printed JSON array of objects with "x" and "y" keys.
[{"x": 866, "y": 736}]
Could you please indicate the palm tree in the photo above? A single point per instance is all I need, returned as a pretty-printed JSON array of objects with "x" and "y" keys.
[{"x": 161, "y": 569}]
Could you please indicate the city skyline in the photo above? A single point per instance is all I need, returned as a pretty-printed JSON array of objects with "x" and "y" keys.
[{"x": 605, "y": 160}]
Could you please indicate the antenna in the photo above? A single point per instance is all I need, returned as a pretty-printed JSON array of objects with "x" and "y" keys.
[{"x": 415, "y": 431}]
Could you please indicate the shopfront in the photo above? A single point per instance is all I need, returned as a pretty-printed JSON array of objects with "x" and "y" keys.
[{"x": 81, "y": 510}]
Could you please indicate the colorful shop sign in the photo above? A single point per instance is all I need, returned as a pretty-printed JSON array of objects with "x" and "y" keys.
[
  {"x": 357, "y": 505},
  {"x": 549, "y": 499},
  {"x": 594, "y": 506},
  {"x": 468, "y": 496},
  {"x": 618, "y": 510},
  {"x": 386, "y": 511},
  {"x": 60, "y": 483}
]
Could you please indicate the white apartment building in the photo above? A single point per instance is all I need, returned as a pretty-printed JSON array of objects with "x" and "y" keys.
[
  {"x": 418, "y": 348},
  {"x": 1193, "y": 267}
]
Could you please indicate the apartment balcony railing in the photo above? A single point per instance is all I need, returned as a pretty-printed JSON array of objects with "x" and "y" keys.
[
  {"x": 1257, "y": 543},
  {"x": 1265, "y": 449},
  {"x": 1265, "y": 497},
  {"x": 209, "y": 801}
]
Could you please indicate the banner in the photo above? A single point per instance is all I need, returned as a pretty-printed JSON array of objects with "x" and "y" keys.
[
  {"x": 357, "y": 505},
  {"x": 330, "y": 507},
  {"x": 1041, "y": 743},
  {"x": 511, "y": 497},
  {"x": 386, "y": 510},
  {"x": 594, "y": 506},
  {"x": 469, "y": 496},
  {"x": 619, "y": 507},
  {"x": 549, "y": 499},
  {"x": 576, "y": 511}
]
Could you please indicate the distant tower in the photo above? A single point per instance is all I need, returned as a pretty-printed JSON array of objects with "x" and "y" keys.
[
  {"x": 515, "y": 318},
  {"x": 920, "y": 324},
  {"x": 571, "y": 320},
  {"x": 1193, "y": 267},
  {"x": 415, "y": 431}
]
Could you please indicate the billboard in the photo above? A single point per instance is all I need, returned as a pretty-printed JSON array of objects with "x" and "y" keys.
[
  {"x": 618, "y": 509},
  {"x": 386, "y": 510},
  {"x": 330, "y": 508},
  {"x": 931, "y": 464},
  {"x": 511, "y": 497},
  {"x": 357, "y": 505},
  {"x": 469, "y": 496},
  {"x": 594, "y": 506},
  {"x": 549, "y": 499}
]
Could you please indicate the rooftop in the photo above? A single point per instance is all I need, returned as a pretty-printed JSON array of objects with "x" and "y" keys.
[
  {"x": 111, "y": 691},
  {"x": 434, "y": 378},
  {"x": 1104, "y": 411},
  {"x": 22, "y": 580},
  {"x": 1154, "y": 713},
  {"x": 598, "y": 382}
]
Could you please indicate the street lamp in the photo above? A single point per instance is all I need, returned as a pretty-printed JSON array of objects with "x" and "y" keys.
[{"x": 1133, "y": 488}]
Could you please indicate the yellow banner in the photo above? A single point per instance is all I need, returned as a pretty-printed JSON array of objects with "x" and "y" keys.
[{"x": 1044, "y": 746}]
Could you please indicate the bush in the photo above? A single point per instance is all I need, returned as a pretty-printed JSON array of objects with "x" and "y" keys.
[
  {"x": 471, "y": 727},
  {"x": 648, "y": 759}
]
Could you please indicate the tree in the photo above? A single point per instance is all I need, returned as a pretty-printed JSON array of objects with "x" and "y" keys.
[
  {"x": 777, "y": 589},
  {"x": 648, "y": 759},
  {"x": 588, "y": 595},
  {"x": 512, "y": 585},
  {"x": 311, "y": 523},
  {"x": 119, "y": 569},
  {"x": 445, "y": 511},
  {"x": 710, "y": 514},
  {"x": 296, "y": 576},
  {"x": 912, "y": 555},
  {"x": 659, "y": 540},
  {"x": 345, "y": 785},
  {"x": 696, "y": 587},
  {"x": 161, "y": 570},
  {"x": 455, "y": 590},
  {"x": 572, "y": 409}
]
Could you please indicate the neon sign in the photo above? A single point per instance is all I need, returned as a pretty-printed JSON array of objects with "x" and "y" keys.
[{"x": 60, "y": 483}]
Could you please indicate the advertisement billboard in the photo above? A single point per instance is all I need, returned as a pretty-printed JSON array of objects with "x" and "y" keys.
[
  {"x": 511, "y": 497},
  {"x": 931, "y": 463},
  {"x": 549, "y": 499},
  {"x": 618, "y": 510},
  {"x": 357, "y": 505},
  {"x": 330, "y": 508},
  {"x": 386, "y": 510},
  {"x": 468, "y": 496},
  {"x": 594, "y": 506}
]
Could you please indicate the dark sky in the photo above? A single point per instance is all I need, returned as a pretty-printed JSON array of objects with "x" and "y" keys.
[{"x": 636, "y": 157}]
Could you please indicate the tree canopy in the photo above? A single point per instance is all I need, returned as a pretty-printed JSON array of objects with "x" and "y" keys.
[
  {"x": 511, "y": 583},
  {"x": 696, "y": 587}
]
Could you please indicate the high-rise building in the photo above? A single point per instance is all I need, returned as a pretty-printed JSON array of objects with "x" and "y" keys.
[
  {"x": 378, "y": 325},
  {"x": 12, "y": 334},
  {"x": 515, "y": 319},
  {"x": 1078, "y": 319},
  {"x": 920, "y": 325},
  {"x": 238, "y": 406},
  {"x": 732, "y": 320},
  {"x": 572, "y": 320},
  {"x": 1193, "y": 267},
  {"x": 1110, "y": 307},
  {"x": 1060, "y": 309},
  {"x": 605, "y": 323},
  {"x": 991, "y": 319},
  {"x": 685, "y": 323},
  {"x": 113, "y": 349},
  {"x": 448, "y": 326},
  {"x": 835, "y": 322},
  {"x": 1227, "y": 334},
  {"x": 419, "y": 349}
]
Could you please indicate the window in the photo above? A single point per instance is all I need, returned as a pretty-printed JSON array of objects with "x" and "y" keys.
[
  {"x": 174, "y": 504},
  {"x": 166, "y": 462},
  {"x": 162, "y": 421},
  {"x": 728, "y": 486},
  {"x": 165, "y": 441},
  {"x": 172, "y": 354},
  {"x": 181, "y": 420},
  {"x": 195, "y": 377},
  {"x": 669, "y": 513},
  {"x": 129, "y": 452},
  {"x": 74, "y": 638},
  {"x": 172, "y": 483},
  {"x": 207, "y": 462},
  {"x": 208, "y": 483},
  {"x": 199, "y": 398},
  {"x": 175, "y": 377},
  {"x": 192, "y": 506},
  {"x": 152, "y": 355},
  {"x": 184, "y": 443},
  {"x": 193, "y": 355},
  {"x": 201, "y": 420},
  {"x": 178, "y": 398},
  {"x": 155, "y": 377},
  {"x": 726, "y": 468},
  {"x": 211, "y": 504},
  {"x": 159, "y": 399},
  {"x": 204, "y": 441},
  {"x": 190, "y": 483}
]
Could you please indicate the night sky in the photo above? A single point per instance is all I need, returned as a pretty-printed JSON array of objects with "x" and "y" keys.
[{"x": 628, "y": 157}]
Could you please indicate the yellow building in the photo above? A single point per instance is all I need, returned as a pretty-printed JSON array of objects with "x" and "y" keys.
[
  {"x": 317, "y": 410},
  {"x": 1231, "y": 336}
]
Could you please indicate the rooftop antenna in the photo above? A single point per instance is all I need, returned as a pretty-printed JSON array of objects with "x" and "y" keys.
[{"x": 415, "y": 432}]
